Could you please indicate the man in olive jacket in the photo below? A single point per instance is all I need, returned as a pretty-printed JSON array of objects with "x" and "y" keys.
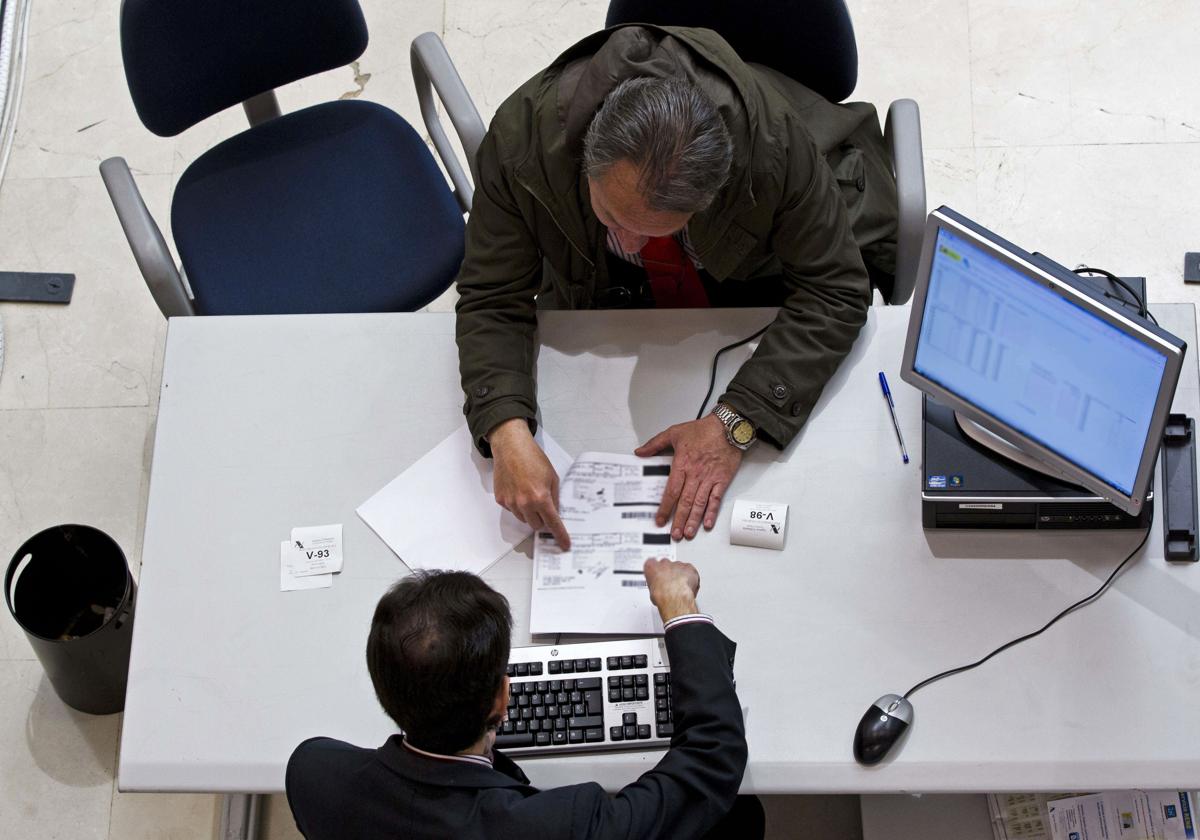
[{"x": 805, "y": 195}]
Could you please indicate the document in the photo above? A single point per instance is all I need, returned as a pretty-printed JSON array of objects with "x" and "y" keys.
[
  {"x": 608, "y": 502},
  {"x": 317, "y": 550},
  {"x": 289, "y": 581},
  {"x": 1125, "y": 814},
  {"x": 441, "y": 512}
]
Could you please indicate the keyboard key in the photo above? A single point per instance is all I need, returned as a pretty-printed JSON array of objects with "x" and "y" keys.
[
  {"x": 522, "y": 740},
  {"x": 616, "y": 733},
  {"x": 642, "y": 692},
  {"x": 640, "y": 662},
  {"x": 555, "y": 685},
  {"x": 594, "y": 701},
  {"x": 665, "y": 730},
  {"x": 576, "y": 696},
  {"x": 587, "y": 684},
  {"x": 614, "y": 663},
  {"x": 629, "y": 717},
  {"x": 568, "y": 685},
  {"x": 511, "y": 670},
  {"x": 660, "y": 678},
  {"x": 568, "y": 666},
  {"x": 543, "y": 739},
  {"x": 578, "y": 710},
  {"x": 555, "y": 667},
  {"x": 662, "y": 717},
  {"x": 521, "y": 727},
  {"x": 534, "y": 725},
  {"x": 576, "y": 736},
  {"x": 506, "y": 728},
  {"x": 527, "y": 713},
  {"x": 627, "y": 681},
  {"x": 660, "y": 691},
  {"x": 543, "y": 687},
  {"x": 559, "y": 736},
  {"x": 643, "y": 731},
  {"x": 560, "y": 723},
  {"x": 593, "y": 735},
  {"x": 535, "y": 669},
  {"x": 626, "y": 694},
  {"x": 660, "y": 704},
  {"x": 551, "y": 711},
  {"x": 585, "y": 722},
  {"x": 523, "y": 700},
  {"x": 641, "y": 679},
  {"x": 581, "y": 666},
  {"x": 630, "y": 732},
  {"x": 539, "y": 712},
  {"x": 614, "y": 695},
  {"x": 614, "y": 682},
  {"x": 626, "y": 661},
  {"x": 522, "y": 669},
  {"x": 562, "y": 698},
  {"x": 536, "y": 699},
  {"x": 594, "y": 664},
  {"x": 516, "y": 688}
]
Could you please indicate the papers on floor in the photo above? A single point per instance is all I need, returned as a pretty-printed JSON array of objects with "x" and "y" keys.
[
  {"x": 1127, "y": 814},
  {"x": 607, "y": 502},
  {"x": 441, "y": 512},
  {"x": 311, "y": 558}
]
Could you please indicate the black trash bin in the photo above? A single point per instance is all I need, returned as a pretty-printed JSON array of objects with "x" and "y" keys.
[{"x": 70, "y": 589}]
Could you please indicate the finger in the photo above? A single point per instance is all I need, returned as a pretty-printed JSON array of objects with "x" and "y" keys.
[
  {"x": 696, "y": 513},
  {"x": 675, "y": 483},
  {"x": 515, "y": 511},
  {"x": 555, "y": 525},
  {"x": 686, "y": 501},
  {"x": 655, "y": 445},
  {"x": 714, "y": 505},
  {"x": 534, "y": 521}
]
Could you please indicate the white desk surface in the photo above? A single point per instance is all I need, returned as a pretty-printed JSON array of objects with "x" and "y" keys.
[{"x": 266, "y": 423}]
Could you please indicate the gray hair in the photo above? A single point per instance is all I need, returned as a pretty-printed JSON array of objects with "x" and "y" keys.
[{"x": 671, "y": 131}]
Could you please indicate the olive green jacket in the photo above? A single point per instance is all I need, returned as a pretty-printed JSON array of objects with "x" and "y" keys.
[{"x": 795, "y": 201}]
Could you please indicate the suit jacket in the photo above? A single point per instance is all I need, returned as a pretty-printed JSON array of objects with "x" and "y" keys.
[{"x": 337, "y": 790}]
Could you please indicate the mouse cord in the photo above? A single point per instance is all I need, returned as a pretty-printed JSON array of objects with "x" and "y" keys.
[
  {"x": 1077, "y": 605},
  {"x": 712, "y": 379}
]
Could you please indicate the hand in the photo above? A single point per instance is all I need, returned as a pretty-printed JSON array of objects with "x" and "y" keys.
[
  {"x": 705, "y": 462},
  {"x": 673, "y": 587},
  {"x": 525, "y": 481}
]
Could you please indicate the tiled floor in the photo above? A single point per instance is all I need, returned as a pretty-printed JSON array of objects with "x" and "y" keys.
[{"x": 1071, "y": 127}]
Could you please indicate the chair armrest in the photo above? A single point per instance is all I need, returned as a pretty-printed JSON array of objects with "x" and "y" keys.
[
  {"x": 145, "y": 240},
  {"x": 903, "y": 134},
  {"x": 434, "y": 71}
]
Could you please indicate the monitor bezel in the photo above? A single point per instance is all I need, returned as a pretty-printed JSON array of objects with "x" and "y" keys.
[{"x": 1067, "y": 288}]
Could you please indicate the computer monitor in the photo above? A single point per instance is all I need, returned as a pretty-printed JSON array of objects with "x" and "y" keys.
[{"x": 1026, "y": 349}]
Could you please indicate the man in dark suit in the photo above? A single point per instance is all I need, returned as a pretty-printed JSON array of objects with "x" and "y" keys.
[{"x": 437, "y": 652}]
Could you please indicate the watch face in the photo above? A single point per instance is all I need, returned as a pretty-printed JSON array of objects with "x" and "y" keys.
[{"x": 742, "y": 432}]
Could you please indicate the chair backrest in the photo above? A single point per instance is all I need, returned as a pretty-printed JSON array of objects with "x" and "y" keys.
[
  {"x": 185, "y": 60},
  {"x": 811, "y": 41}
]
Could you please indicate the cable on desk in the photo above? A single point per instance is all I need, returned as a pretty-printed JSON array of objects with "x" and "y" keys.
[
  {"x": 1077, "y": 605},
  {"x": 712, "y": 379}
]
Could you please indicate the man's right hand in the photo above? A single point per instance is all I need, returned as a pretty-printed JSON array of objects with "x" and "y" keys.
[
  {"x": 673, "y": 587},
  {"x": 525, "y": 482}
]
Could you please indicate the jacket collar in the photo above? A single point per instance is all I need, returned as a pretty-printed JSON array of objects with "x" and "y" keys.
[{"x": 446, "y": 772}]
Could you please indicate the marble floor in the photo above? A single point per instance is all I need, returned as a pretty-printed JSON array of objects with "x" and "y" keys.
[{"x": 1072, "y": 127}]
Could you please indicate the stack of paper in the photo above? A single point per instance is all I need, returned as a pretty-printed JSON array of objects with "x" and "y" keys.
[
  {"x": 311, "y": 558},
  {"x": 608, "y": 503}
]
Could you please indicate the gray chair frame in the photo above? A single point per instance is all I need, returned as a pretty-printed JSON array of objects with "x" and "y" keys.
[{"x": 902, "y": 131}]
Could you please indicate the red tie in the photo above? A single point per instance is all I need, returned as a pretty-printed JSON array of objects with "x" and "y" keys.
[{"x": 673, "y": 278}]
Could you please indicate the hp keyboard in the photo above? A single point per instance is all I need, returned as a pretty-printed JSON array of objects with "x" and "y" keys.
[{"x": 588, "y": 696}]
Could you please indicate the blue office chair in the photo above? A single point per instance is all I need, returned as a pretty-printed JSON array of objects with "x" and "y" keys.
[
  {"x": 811, "y": 41},
  {"x": 339, "y": 207}
]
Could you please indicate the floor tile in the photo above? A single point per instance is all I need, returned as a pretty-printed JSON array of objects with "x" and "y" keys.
[
  {"x": 1131, "y": 209},
  {"x": 917, "y": 51},
  {"x": 56, "y": 776},
  {"x": 163, "y": 816},
  {"x": 1060, "y": 71},
  {"x": 97, "y": 350},
  {"x": 499, "y": 44},
  {"x": 952, "y": 178},
  {"x": 79, "y": 466}
]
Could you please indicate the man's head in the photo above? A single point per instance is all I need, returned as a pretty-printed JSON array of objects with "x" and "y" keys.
[
  {"x": 437, "y": 653},
  {"x": 656, "y": 153}
]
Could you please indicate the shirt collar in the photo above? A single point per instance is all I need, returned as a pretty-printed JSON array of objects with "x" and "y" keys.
[{"x": 482, "y": 760}]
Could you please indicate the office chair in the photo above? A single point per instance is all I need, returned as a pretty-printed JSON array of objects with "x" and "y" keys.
[
  {"x": 812, "y": 42},
  {"x": 339, "y": 207}
]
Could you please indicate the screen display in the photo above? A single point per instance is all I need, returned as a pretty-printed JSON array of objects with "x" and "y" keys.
[{"x": 1036, "y": 362}]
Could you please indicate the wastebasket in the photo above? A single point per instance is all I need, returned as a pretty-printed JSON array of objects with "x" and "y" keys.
[{"x": 70, "y": 589}]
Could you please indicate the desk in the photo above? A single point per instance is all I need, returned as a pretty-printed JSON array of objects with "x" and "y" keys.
[{"x": 266, "y": 423}]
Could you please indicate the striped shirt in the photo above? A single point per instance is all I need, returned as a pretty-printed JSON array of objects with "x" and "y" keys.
[
  {"x": 685, "y": 242},
  {"x": 484, "y": 760},
  {"x": 690, "y": 618}
]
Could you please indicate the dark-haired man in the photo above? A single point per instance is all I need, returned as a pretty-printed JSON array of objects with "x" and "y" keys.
[
  {"x": 651, "y": 166},
  {"x": 437, "y": 652}
]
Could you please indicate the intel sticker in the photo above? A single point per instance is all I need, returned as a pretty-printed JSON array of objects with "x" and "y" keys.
[{"x": 937, "y": 481}]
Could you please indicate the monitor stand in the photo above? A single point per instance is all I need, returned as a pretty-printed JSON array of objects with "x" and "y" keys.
[{"x": 992, "y": 441}]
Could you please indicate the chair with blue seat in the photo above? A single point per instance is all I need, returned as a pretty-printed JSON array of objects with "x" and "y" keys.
[
  {"x": 338, "y": 207},
  {"x": 813, "y": 43}
]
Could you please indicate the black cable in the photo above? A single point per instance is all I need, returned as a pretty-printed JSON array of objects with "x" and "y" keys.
[
  {"x": 1143, "y": 310},
  {"x": 1080, "y": 603},
  {"x": 712, "y": 379}
]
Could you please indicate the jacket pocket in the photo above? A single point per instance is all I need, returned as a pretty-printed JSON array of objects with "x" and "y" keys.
[{"x": 850, "y": 170}]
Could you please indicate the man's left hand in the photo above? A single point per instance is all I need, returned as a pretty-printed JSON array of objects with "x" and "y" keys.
[{"x": 705, "y": 462}]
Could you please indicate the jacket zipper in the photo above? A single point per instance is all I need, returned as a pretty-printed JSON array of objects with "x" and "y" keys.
[{"x": 550, "y": 213}]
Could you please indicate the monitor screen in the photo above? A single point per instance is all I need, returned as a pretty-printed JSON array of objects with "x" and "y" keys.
[{"x": 1037, "y": 362}]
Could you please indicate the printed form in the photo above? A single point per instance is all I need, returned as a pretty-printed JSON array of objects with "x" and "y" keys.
[{"x": 607, "y": 502}]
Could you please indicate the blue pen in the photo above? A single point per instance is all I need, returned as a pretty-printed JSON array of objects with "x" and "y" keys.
[{"x": 887, "y": 393}]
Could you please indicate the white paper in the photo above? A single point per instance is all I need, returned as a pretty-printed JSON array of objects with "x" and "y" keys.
[
  {"x": 317, "y": 550},
  {"x": 758, "y": 524},
  {"x": 608, "y": 502},
  {"x": 1124, "y": 814},
  {"x": 441, "y": 512},
  {"x": 289, "y": 582}
]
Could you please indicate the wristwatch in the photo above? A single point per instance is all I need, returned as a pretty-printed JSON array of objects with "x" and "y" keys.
[{"x": 738, "y": 430}]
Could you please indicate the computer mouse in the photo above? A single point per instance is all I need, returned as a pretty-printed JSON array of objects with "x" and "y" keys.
[{"x": 881, "y": 727}]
